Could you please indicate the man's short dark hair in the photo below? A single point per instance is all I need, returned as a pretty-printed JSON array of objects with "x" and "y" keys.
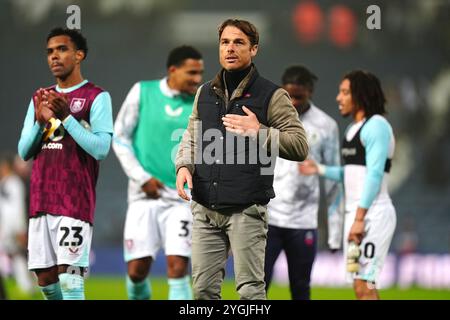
[
  {"x": 179, "y": 54},
  {"x": 366, "y": 92},
  {"x": 74, "y": 35},
  {"x": 245, "y": 26},
  {"x": 299, "y": 75}
]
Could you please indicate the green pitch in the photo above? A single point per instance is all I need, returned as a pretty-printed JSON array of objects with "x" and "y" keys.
[{"x": 113, "y": 288}]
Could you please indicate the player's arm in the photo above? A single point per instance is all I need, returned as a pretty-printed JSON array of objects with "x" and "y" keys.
[
  {"x": 335, "y": 173},
  {"x": 31, "y": 135},
  {"x": 124, "y": 128},
  {"x": 375, "y": 137},
  {"x": 185, "y": 158},
  {"x": 186, "y": 150},
  {"x": 334, "y": 192},
  {"x": 96, "y": 141},
  {"x": 16, "y": 194},
  {"x": 310, "y": 167},
  {"x": 285, "y": 128}
]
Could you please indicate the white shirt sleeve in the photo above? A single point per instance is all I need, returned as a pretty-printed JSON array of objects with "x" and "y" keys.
[
  {"x": 13, "y": 205},
  {"x": 333, "y": 189},
  {"x": 124, "y": 129}
]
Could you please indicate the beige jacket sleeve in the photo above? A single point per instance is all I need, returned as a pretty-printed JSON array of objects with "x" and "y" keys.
[
  {"x": 285, "y": 128},
  {"x": 186, "y": 150}
]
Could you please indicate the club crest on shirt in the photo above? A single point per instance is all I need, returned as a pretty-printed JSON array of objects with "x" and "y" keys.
[
  {"x": 313, "y": 138},
  {"x": 77, "y": 104},
  {"x": 173, "y": 113},
  {"x": 309, "y": 238}
]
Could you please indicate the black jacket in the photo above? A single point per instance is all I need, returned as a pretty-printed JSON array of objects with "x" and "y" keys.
[{"x": 229, "y": 174}]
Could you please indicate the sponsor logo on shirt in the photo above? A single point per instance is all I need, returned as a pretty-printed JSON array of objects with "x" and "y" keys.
[
  {"x": 54, "y": 130},
  {"x": 173, "y": 113},
  {"x": 52, "y": 146},
  {"x": 73, "y": 251},
  {"x": 348, "y": 152}
]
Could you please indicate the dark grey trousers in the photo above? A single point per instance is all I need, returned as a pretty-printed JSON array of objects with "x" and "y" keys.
[{"x": 214, "y": 235}]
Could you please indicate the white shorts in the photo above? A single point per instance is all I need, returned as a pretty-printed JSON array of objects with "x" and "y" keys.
[
  {"x": 11, "y": 227},
  {"x": 379, "y": 226},
  {"x": 58, "y": 240},
  {"x": 152, "y": 224},
  {"x": 9, "y": 243}
]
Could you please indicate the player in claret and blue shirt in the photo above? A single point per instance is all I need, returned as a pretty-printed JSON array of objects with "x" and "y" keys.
[{"x": 67, "y": 131}]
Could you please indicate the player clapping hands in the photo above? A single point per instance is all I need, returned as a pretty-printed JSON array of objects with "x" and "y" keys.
[
  {"x": 51, "y": 104},
  {"x": 43, "y": 112},
  {"x": 58, "y": 104}
]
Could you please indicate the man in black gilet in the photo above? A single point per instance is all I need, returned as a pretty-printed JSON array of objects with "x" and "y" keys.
[{"x": 239, "y": 124}]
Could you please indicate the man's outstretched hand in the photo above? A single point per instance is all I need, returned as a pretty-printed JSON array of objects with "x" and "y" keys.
[
  {"x": 183, "y": 177},
  {"x": 247, "y": 125}
]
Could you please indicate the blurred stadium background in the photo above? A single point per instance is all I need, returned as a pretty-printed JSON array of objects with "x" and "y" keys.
[{"x": 129, "y": 40}]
